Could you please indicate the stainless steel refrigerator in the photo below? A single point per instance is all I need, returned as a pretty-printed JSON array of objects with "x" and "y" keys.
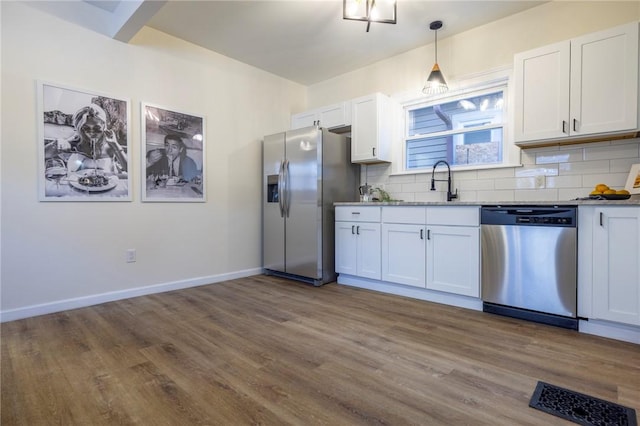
[{"x": 304, "y": 172}]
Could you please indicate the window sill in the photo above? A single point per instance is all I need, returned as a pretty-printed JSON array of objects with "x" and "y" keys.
[{"x": 456, "y": 169}]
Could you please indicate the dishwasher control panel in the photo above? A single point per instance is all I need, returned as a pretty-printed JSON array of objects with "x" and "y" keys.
[
  {"x": 562, "y": 216},
  {"x": 545, "y": 220}
]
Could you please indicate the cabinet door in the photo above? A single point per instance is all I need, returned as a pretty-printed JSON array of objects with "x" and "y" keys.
[
  {"x": 368, "y": 250},
  {"x": 403, "y": 254},
  {"x": 616, "y": 264},
  {"x": 541, "y": 80},
  {"x": 304, "y": 119},
  {"x": 337, "y": 115},
  {"x": 371, "y": 124},
  {"x": 346, "y": 248},
  {"x": 453, "y": 259},
  {"x": 604, "y": 81}
]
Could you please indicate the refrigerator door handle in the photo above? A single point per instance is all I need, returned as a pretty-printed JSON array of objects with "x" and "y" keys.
[
  {"x": 281, "y": 188},
  {"x": 286, "y": 186}
]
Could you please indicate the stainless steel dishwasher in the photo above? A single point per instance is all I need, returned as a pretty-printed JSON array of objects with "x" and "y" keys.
[{"x": 529, "y": 263}]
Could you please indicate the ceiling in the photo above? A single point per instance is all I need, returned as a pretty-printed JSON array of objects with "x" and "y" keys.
[{"x": 306, "y": 41}]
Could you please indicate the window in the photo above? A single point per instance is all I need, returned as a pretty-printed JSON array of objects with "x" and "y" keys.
[{"x": 464, "y": 130}]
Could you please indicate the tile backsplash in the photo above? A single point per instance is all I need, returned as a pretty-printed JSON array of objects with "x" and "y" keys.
[{"x": 554, "y": 173}]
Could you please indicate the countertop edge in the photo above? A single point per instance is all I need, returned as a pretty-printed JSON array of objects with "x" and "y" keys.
[{"x": 588, "y": 202}]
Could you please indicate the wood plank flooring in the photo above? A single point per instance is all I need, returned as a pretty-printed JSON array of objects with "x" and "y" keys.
[{"x": 265, "y": 350}]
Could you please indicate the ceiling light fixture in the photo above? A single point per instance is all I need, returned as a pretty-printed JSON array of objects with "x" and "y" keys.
[
  {"x": 383, "y": 11},
  {"x": 436, "y": 82}
]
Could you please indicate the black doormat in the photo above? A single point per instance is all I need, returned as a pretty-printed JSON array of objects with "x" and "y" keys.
[{"x": 580, "y": 408}]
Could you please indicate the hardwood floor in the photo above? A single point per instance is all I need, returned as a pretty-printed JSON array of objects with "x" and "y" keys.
[{"x": 265, "y": 350}]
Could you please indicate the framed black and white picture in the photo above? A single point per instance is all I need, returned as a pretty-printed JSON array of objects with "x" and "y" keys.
[
  {"x": 173, "y": 155},
  {"x": 83, "y": 145}
]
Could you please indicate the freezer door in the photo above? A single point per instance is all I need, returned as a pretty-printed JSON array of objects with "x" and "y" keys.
[
  {"x": 303, "y": 203},
  {"x": 272, "y": 203}
]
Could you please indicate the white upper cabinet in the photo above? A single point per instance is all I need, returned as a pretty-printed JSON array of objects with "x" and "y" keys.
[
  {"x": 331, "y": 116},
  {"x": 578, "y": 88},
  {"x": 372, "y": 121}
]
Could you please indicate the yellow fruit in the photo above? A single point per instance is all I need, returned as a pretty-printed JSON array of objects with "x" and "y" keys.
[
  {"x": 595, "y": 193},
  {"x": 622, "y": 192},
  {"x": 601, "y": 187},
  {"x": 609, "y": 191}
]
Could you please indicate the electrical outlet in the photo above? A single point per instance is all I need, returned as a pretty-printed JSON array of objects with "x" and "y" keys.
[
  {"x": 540, "y": 181},
  {"x": 130, "y": 255}
]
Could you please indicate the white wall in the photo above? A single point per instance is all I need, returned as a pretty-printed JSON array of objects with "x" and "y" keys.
[{"x": 57, "y": 255}]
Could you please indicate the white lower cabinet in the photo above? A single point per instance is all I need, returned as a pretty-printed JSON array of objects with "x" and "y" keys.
[
  {"x": 357, "y": 241},
  {"x": 615, "y": 264},
  {"x": 453, "y": 259},
  {"x": 403, "y": 254},
  {"x": 435, "y": 248}
]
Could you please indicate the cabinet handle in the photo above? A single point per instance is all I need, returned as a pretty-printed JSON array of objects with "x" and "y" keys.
[
  {"x": 355, "y": 212},
  {"x": 564, "y": 126},
  {"x": 422, "y": 234},
  {"x": 374, "y": 151},
  {"x": 358, "y": 230},
  {"x": 353, "y": 229},
  {"x": 428, "y": 234},
  {"x": 575, "y": 122},
  {"x": 601, "y": 219}
]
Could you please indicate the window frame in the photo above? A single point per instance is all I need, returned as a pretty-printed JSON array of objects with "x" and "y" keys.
[{"x": 497, "y": 80}]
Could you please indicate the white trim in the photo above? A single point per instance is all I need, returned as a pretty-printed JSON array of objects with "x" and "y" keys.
[
  {"x": 611, "y": 330},
  {"x": 485, "y": 81},
  {"x": 82, "y": 302},
  {"x": 458, "y": 169},
  {"x": 413, "y": 292},
  {"x": 478, "y": 80},
  {"x": 624, "y": 332}
]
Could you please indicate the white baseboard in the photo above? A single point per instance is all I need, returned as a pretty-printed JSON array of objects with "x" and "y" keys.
[
  {"x": 413, "y": 292},
  {"x": 96, "y": 299},
  {"x": 626, "y": 333}
]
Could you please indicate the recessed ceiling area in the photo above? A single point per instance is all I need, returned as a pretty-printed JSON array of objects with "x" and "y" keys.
[{"x": 305, "y": 41}]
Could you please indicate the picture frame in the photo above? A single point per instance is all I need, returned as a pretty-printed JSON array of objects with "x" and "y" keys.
[
  {"x": 83, "y": 145},
  {"x": 633, "y": 181},
  {"x": 173, "y": 155}
]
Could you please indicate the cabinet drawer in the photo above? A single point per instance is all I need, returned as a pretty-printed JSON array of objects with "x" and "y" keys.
[
  {"x": 456, "y": 216},
  {"x": 414, "y": 215},
  {"x": 358, "y": 214}
]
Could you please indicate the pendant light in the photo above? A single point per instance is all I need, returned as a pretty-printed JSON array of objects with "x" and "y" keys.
[
  {"x": 435, "y": 83},
  {"x": 383, "y": 11}
]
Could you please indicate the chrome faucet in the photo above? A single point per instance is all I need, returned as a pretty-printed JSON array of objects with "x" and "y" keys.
[{"x": 450, "y": 195}]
